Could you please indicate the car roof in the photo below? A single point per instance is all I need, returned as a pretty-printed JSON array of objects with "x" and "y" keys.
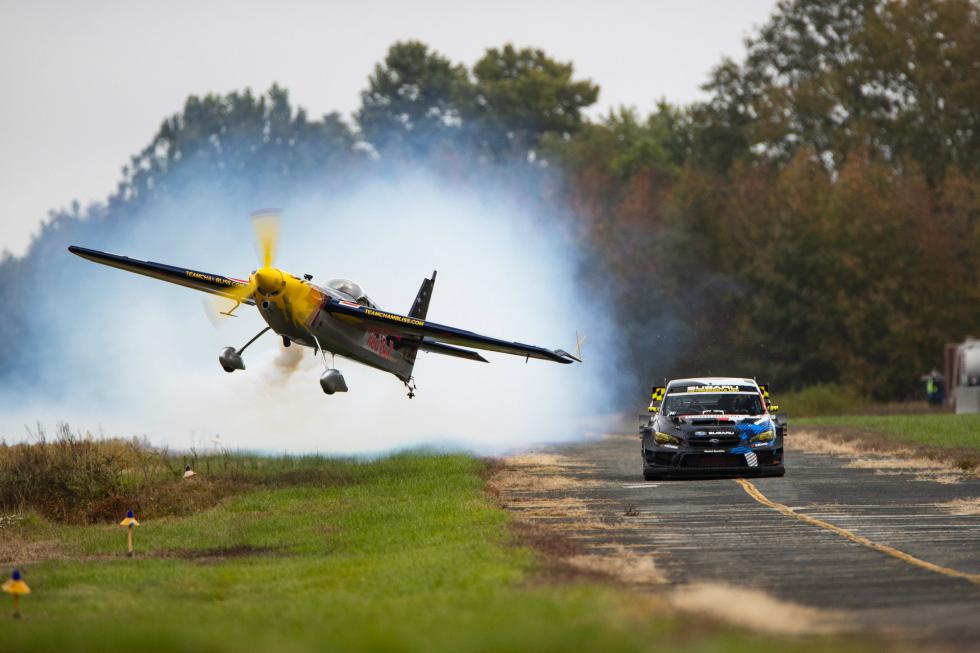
[{"x": 715, "y": 380}]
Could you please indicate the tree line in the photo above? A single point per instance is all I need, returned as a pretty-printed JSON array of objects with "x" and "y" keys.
[{"x": 816, "y": 219}]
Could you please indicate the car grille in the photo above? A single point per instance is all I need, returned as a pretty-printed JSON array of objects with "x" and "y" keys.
[
  {"x": 709, "y": 421},
  {"x": 714, "y": 460},
  {"x": 723, "y": 442}
]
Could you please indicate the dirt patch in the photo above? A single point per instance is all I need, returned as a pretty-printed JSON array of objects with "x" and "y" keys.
[
  {"x": 214, "y": 554},
  {"x": 875, "y": 452},
  {"x": 756, "y": 610},
  {"x": 14, "y": 551},
  {"x": 961, "y": 506},
  {"x": 538, "y": 490}
]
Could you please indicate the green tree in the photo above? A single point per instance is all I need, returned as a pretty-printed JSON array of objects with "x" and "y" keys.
[
  {"x": 521, "y": 95},
  {"x": 413, "y": 101},
  {"x": 236, "y": 141},
  {"x": 896, "y": 80}
]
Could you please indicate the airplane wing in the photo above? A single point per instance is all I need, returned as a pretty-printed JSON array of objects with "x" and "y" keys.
[
  {"x": 204, "y": 281},
  {"x": 399, "y": 325}
]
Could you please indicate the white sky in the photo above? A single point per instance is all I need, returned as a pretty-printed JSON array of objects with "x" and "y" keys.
[{"x": 86, "y": 84}]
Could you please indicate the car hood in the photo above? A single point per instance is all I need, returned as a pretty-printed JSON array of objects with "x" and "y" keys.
[{"x": 717, "y": 425}]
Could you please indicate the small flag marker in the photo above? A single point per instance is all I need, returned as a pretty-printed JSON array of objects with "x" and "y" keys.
[
  {"x": 16, "y": 587},
  {"x": 129, "y": 522},
  {"x": 188, "y": 472}
]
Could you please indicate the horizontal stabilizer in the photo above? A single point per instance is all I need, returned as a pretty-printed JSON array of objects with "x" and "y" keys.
[{"x": 448, "y": 350}]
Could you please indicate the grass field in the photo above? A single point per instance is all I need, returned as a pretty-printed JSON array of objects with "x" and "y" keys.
[
  {"x": 932, "y": 430},
  {"x": 401, "y": 554}
]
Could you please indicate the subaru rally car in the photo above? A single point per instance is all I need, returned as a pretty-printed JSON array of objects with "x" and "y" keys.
[{"x": 711, "y": 426}]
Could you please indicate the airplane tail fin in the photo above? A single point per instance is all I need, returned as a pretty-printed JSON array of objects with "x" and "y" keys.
[{"x": 421, "y": 306}]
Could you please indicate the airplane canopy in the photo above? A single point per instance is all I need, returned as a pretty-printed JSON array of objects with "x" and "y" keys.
[{"x": 352, "y": 290}]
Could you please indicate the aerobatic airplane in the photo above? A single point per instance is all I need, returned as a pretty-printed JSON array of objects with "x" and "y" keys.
[{"x": 338, "y": 318}]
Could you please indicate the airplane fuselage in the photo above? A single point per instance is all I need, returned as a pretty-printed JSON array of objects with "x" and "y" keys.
[{"x": 295, "y": 312}]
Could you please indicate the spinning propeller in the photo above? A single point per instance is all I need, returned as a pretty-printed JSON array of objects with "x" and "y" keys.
[{"x": 267, "y": 280}]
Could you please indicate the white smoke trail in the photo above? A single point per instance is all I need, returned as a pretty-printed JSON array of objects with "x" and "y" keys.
[{"x": 136, "y": 356}]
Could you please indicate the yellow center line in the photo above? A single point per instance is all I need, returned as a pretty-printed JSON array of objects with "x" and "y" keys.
[{"x": 754, "y": 492}]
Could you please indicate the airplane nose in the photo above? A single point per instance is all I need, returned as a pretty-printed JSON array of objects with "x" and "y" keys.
[{"x": 269, "y": 281}]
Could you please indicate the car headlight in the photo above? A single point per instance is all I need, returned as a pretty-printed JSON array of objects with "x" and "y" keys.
[
  {"x": 765, "y": 436},
  {"x": 665, "y": 438}
]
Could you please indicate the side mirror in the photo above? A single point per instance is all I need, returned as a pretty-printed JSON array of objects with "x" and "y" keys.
[
  {"x": 646, "y": 422},
  {"x": 773, "y": 408},
  {"x": 653, "y": 409}
]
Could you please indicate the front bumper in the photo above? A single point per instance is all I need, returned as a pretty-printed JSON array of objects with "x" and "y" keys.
[{"x": 693, "y": 462}]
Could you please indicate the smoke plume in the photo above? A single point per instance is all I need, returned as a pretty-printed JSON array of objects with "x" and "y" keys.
[{"x": 129, "y": 355}]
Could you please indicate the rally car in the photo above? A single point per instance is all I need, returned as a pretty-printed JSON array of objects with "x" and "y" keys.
[{"x": 711, "y": 426}]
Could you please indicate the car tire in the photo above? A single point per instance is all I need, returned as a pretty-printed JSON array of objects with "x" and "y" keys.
[{"x": 651, "y": 475}]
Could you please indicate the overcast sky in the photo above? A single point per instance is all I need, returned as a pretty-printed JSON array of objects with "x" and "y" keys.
[{"x": 86, "y": 84}]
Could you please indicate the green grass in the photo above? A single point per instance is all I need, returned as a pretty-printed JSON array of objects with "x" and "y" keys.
[
  {"x": 402, "y": 554},
  {"x": 934, "y": 430},
  {"x": 821, "y": 400}
]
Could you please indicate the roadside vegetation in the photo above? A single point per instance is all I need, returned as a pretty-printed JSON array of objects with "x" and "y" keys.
[
  {"x": 821, "y": 400},
  {"x": 404, "y": 553},
  {"x": 937, "y": 430},
  {"x": 77, "y": 478}
]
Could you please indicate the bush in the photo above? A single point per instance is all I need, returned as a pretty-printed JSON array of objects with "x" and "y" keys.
[{"x": 79, "y": 478}]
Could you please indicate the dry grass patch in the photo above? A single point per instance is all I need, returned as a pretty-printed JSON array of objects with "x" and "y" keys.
[
  {"x": 569, "y": 507},
  {"x": 961, "y": 506},
  {"x": 756, "y": 610},
  {"x": 622, "y": 564},
  {"x": 945, "y": 479},
  {"x": 813, "y": 442},
  {"x": 884, "y": 461},
  {"x": 541, "y": 472}
]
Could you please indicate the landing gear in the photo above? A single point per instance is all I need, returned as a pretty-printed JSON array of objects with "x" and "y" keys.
[
  {"x": 331, "y": 380},
  {"x": 410, "y": 384},
  {"x": 231, "y": 358},
  {"x": 286, "y": 341}
]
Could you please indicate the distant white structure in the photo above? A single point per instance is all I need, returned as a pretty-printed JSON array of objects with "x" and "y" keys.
[{"x": 963, "y": 375}]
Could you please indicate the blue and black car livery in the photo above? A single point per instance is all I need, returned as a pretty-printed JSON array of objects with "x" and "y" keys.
[{"x": 711, "y": 426}]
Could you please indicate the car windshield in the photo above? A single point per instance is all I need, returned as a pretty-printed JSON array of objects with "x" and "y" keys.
[{"x": 713, "y": 403}]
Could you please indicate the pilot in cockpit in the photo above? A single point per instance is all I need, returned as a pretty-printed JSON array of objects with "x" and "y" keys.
[{"x": 352, "y": 290}]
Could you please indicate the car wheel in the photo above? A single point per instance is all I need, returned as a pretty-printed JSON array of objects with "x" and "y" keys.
[{"x": 650, "y": 475}]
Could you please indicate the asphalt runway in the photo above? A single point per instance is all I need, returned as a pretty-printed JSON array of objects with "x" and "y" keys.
[{"x": 869, "y": 542}]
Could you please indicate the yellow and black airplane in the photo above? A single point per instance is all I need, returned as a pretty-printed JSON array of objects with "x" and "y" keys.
[{"x": 338, "y": 318}]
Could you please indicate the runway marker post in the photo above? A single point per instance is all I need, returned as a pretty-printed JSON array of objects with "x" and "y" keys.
[
  {"x": 16, "y": 587},
  {"x": 129, "y": 522}
]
